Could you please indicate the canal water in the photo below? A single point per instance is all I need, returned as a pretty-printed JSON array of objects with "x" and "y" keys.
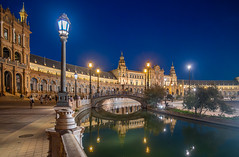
[{"x": 138, "y": 133}]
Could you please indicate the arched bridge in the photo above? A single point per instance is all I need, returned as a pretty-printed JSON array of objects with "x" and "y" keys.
[{"x": 99, "y": 99}]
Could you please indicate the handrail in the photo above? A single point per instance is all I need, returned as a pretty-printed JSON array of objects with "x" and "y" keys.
[
  {"x": 119, "y": 93},
  {"x": 71, "y": 146}
]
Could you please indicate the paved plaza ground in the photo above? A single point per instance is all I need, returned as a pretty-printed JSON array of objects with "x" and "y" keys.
[{"x": 22, "y": 131}]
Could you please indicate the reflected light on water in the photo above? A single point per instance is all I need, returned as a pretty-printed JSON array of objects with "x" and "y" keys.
[
  {"x": 91, "y": 149},
  {"x": 98, "y": 140},
  {"x": 145, "y": 140},
  {"x": 147, "y": 149},
  {"x": 187, "y": 153}
]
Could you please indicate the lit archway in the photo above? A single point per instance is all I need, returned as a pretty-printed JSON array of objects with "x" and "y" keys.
[
  {"x": 19, "y": 83},
  {"x": 8, "y": 81}
]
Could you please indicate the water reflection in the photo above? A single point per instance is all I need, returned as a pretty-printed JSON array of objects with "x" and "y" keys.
[
  {"x": 154, "y": 124},
  {"x": 148, "y": 134},
  {"x": 121, "y": 106}
]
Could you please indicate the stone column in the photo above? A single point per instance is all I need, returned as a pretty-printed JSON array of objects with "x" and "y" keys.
[
  {"x": 14, "y": 81},
  {"x": 63, "y": 95},
  {"x": 2, "y": 77}
]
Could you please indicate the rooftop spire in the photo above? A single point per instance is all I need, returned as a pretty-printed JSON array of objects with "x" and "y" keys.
[
  {"x": 23, "y": 8},
  {"x": 121, "y": 61},
  {"x": 23, "y": 14}
]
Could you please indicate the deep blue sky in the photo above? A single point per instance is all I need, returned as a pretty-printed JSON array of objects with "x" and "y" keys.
[{"x": 204, "y": 33}]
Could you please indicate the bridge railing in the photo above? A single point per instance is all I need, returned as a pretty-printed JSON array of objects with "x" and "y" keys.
[{"x": 118, "y": 93}]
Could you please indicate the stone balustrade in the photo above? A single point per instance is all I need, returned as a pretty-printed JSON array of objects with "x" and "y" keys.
[{"x": 71, "y": 146}]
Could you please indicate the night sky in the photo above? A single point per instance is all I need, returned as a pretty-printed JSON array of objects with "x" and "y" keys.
[{"x": 204, "y": 33}]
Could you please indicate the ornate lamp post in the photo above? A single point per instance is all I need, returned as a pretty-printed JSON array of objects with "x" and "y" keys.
[
  {"x": 98, "y": 81},
  {"x": 189, "y": 70},
  {"x": 76, "y": 97},
  {"x": 145, "y": 72},
  {"x": 75, "y": 84},
  {"x": 90, "y": 65},
  {"x": 148, "y": 68},
  {"x": 63, "y": 29}
]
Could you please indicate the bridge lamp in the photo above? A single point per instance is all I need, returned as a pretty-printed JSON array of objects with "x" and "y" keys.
[
  {"x": 90, "y": 65},
  {"x": 148, "y": 65},
  {"x": 145, "y": 71},
  {"x": 98, "y": 80}
]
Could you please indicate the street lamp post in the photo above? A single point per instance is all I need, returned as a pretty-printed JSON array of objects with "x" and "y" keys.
[
  {"x": 145, "y": 72},
  {"x": 63, "y": 29},
  {"x": 98, "y": 81},
  {"x": 76, "y": 97},
  {"x": 148, "y": 68},
  {"x": 189, "y": 70},
  {"x": 90, "y": 65}
]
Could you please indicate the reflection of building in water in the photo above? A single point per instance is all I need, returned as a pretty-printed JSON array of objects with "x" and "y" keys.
[
  {"x": 172, "y": 122},
  {"x": 121, "y": 105},
  {"x": 123, "y": 126}
]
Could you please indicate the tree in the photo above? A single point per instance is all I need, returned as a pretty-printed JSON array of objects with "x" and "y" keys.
[
  {"x": 191, "y": 102},
  {"x": 154, "y": 95},
  {"x": 206, "y": 99}
]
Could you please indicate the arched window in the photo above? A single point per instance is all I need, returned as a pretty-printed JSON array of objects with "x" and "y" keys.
[
  {"x": 17, "y": 57},
  {"x": 6, "y": 53},
  {"x": 33, "y": 84},
  {"x": 19, "y": 82},
  {"x": 43, "y": 85},
  {"x": 19, "y": 39},
  {"x": 8, "y": 81}
]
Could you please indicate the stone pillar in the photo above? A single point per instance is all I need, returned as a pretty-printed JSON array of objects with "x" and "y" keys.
[
  {"x": 24, "y": 81},
  {"x": 2, "y": 78},
  {"x": 14, "y": 81}
]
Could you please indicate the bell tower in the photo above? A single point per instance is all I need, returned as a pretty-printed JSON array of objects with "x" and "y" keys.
[
  {"x": 122, "y": 70},
  {"x": 23, "y": 14},
  {"x": 173, "y": 82}
]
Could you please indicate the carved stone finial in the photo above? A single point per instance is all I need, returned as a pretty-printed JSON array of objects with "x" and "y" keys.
[{"x": 65, "y": 120}]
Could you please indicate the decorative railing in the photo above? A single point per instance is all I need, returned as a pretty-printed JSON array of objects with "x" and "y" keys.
[
  {"x": 13, "y": 63},
  {"x": 118, "y": 93}
]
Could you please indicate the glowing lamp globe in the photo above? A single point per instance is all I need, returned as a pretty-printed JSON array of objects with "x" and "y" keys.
[
  {"x": 75, "y": 76},
  {"x": 63, "y": 25}
]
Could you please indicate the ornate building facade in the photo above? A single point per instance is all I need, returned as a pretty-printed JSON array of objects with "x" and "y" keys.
[{"x": 28, "y": 74}]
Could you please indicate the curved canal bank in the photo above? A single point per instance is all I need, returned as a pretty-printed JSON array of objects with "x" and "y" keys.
[{"x": 204, "y": 119}]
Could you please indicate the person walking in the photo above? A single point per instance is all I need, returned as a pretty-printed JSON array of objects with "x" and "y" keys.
[
  {"x": 41, "y": 99},
  {"x": 31, "y": 102}
]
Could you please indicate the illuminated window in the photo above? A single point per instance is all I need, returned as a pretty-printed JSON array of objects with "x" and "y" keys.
[
  {"x": 19, "y": 39},
  {"x": 14, "y": 37},
  {"x": 5, "y": 33}
]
